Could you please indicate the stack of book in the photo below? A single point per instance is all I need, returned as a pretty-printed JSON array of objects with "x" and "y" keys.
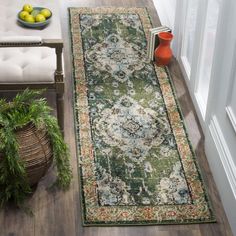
[{"x": 154, "y": 40}]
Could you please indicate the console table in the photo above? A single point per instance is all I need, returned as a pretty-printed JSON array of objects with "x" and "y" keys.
[{"x": 31, "y": 58}]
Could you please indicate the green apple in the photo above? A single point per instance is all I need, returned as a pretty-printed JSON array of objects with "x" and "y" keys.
[
  {"x": 23, "y": 14},
  {"x": 30, "y": 19},
  {"x": 40, "y": 18},
  {"x": 46, "y": 12},
  {"x": 35, "y": 12},
  {"x": 28, "y": 8}
]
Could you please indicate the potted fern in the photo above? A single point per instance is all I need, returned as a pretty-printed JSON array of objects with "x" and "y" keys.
[{"x": 26, "y": 125}]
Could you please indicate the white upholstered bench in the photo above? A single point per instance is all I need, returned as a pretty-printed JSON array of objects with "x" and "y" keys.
[{"x": 31, "y": 58}]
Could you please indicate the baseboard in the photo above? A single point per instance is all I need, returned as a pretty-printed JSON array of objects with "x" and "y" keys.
[{"x": 223, "y": 169}]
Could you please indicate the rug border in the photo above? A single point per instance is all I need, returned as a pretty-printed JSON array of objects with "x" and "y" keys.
[
  {"x": 80, "y": 182},
  {"x": 204, "y": 185},
  {"x": 77, "y": 144}
]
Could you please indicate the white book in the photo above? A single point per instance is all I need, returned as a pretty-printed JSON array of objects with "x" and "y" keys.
[
  {"x": 154, "y": 41},
  {"x": 151, "y": 40},
  {"x": 148, "y": 45},
  {"x": 153, "y": 30}
]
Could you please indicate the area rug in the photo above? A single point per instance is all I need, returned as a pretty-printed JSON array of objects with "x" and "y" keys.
[{"x": 136, "y": 162}]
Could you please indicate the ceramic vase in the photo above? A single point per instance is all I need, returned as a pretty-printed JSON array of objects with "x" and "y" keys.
[{"x": 163, "y": 52}]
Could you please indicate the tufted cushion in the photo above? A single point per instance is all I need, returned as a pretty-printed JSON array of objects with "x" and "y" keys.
[{"x": 28, "y": 64}]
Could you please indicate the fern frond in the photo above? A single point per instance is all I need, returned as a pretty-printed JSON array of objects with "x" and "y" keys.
[{"x": 27, "y": 108}]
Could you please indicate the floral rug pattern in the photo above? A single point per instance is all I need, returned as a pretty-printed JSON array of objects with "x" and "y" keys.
[{"x": 137, "y": 165}]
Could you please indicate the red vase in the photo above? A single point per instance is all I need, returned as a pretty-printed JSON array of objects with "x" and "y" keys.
[{"x": 163, "y": 52}]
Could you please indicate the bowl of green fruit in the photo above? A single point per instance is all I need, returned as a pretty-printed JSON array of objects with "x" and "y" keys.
[{"x": 34, "y": 17}]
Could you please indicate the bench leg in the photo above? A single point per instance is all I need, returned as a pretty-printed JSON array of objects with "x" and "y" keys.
[{"x": 60, "y": 111}]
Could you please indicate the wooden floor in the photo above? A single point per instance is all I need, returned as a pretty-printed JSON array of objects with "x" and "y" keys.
[{"x": 58, "y": 213}]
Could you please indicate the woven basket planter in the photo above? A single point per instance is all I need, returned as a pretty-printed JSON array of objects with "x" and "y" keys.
[{"x": 35, "y": 150}]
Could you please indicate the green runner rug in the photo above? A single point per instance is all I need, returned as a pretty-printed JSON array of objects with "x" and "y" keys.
[{"x": 137, "y": 165}]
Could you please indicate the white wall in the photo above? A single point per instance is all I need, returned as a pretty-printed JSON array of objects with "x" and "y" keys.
[
  {"x": 166, "y": 11},
  {"x": 214, "y": 101},
  {"x": 221, "y": 112}
]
